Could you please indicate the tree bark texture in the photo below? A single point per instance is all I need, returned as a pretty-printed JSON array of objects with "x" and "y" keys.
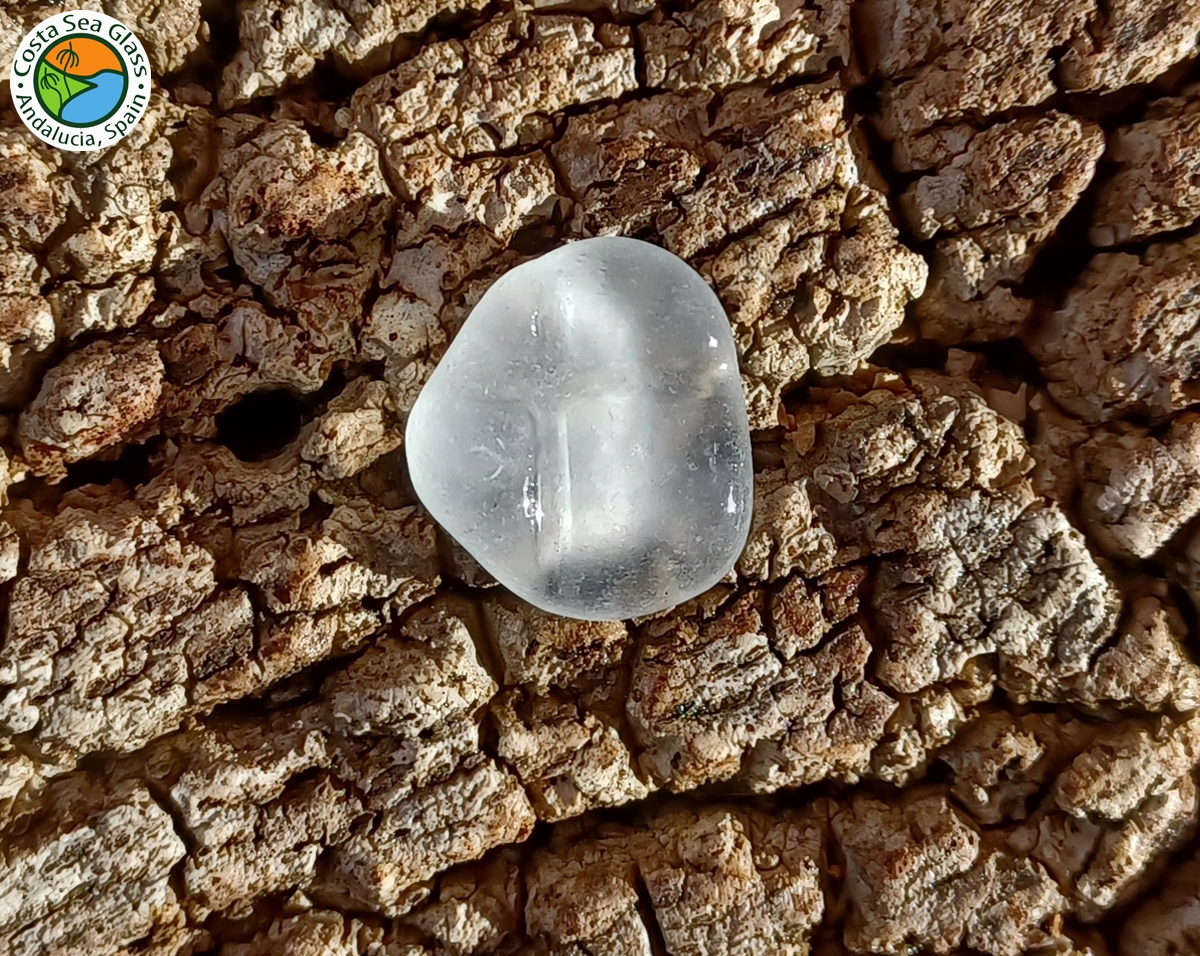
[{"x": 253, "y": 701}]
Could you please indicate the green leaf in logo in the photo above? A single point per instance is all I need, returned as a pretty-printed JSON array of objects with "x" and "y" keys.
[{"x": 55, "y": 88}]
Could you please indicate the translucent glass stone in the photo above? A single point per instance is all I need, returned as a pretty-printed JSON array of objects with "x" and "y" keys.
[{"x": 585, "y": 436}]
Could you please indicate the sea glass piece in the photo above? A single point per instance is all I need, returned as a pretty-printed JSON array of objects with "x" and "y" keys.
[{"x": 585, "y": 435}]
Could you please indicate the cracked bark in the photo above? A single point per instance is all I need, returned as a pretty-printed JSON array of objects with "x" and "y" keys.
[{"x": 253, "y": 701}]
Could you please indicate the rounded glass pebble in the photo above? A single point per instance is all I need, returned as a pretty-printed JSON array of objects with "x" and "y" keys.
[{"x": 585, "y": 435}]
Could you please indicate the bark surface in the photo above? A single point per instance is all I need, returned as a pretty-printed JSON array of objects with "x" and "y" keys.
[{"x": 252, "y": 699}]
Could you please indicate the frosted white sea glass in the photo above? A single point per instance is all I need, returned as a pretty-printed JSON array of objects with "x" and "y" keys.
[{"x": 585, "y": 435}]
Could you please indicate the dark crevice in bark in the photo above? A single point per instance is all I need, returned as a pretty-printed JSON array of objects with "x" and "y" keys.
[
  {"x": 261, "y": 423},
  {"x": 263, "y": 911},
  {"x": 1006, "y": 363},
  {"x": 1063, "y": 257},
  {"x": 205, "y": 66},
  {"x": 132, "y": 465},
  {"x": 645, "y": 906}
]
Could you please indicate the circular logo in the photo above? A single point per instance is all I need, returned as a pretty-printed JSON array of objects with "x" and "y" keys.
[{"x": 80, "y": 80}]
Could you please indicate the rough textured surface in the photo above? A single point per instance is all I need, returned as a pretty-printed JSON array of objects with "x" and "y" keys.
[
  {"x": 254, "y": 701},
  {"x": 1153, "y": 189},
  {"x": 714, "y": 880},
  {"x": 1115, "y": 466},
  {"x": 1124, "y": 340},
  {"x": 941, "y": 61},
  {"x": 172, "y": 32},
  {"x": 989, "y": 199},
  {"x": 282, "y": 43},
  {"x": 94, "y": 398},
  {"x": 718, "y": 43},
  {"x": 781, "y": 173}
]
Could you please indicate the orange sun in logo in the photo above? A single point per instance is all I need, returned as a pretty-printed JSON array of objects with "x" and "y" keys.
[{"x": 83, "y": 56}]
